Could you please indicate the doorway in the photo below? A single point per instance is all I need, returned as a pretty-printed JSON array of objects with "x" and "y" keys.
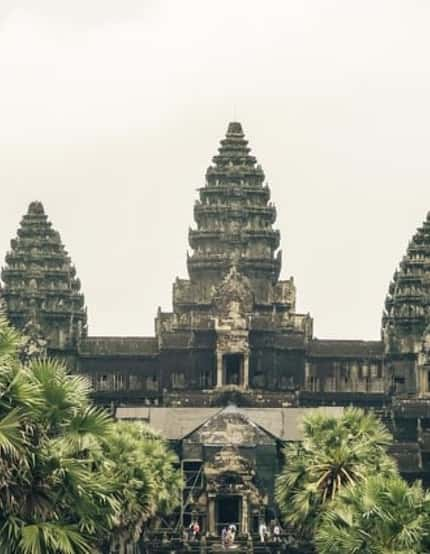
[
  {"x": 228, "y": 512},
  {"x": 233, "y": 365}
]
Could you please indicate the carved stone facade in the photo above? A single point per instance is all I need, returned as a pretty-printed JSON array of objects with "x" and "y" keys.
[
  {"x": 233, "y": 333},
  {"x": 228, "y": 445}
]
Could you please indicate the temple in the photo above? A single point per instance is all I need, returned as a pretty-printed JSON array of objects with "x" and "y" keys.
[{"x": 233, "y": 368}]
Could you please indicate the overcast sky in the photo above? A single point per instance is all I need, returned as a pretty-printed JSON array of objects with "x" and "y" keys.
[{"x": 110, "y": 112}]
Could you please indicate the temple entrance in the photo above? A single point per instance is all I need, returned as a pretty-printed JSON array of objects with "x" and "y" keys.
[
  {"x": 228, "y": 512},
  {"x": 233, "y": 369}
]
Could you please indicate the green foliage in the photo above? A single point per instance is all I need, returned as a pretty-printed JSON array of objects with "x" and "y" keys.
[
  {"x": 47, "y": 537},
  {"x": 335, "y": 453},
  {"x": 379, "y": 516},
  {"x": 146, "y": 469},
  {"x": 9, "y": 341},
  {"x": 71, "y": 479}
]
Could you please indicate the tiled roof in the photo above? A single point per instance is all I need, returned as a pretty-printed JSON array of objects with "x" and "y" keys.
[{"x": 176, "y": 423}]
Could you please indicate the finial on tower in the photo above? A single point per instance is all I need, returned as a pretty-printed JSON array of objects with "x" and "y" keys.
[
  {"x": 235, "y": 129},
  {"x": 36, "y": 207}
]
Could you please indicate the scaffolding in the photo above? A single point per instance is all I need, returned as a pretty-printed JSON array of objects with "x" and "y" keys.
[{"x": 192, "y": 473}]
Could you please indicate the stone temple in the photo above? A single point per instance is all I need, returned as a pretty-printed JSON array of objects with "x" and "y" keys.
[{"x": 233, "y": 367}]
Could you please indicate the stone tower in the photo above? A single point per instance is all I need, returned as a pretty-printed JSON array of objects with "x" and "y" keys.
[
  {"x": 41, "y": 290},
  {"x": 407, "y": 313},
  {"x": 234, "y": 219},
  {"x": 234, "y": 227},
  {"x": 233, "y": 308}
]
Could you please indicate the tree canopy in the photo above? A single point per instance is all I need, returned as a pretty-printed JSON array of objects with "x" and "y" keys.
[
  {"x": 71, "y": 478},
  {"x": 335, "y": 452},
  {"x": 341, "y": 490},
  {"x": 381, "y": 516}
]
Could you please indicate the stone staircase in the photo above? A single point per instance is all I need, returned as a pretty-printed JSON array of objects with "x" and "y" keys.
[{"x": 213, "y": 545}]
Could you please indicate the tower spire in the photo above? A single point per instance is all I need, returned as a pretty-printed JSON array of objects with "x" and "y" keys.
[
  {"x": 40, "y": 283},
  {"x": 234, "y": 217}
]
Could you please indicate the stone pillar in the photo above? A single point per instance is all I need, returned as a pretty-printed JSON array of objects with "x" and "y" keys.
[
  {"x": 246, "y": 370},
  {"x": 211, "y": 515},
  {"x": 219, "y": 369},
  {"x": 422, "y": 375},
  {"x": 421, "y": 388},
  {"x": 245, "y": 516}
]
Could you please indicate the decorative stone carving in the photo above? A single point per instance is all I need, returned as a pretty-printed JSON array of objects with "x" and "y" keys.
[
  {"x": 233, "y": 301},
  {"x": 228, "y": 460},
  {"x": 230, "y": 473},
  {"x": 34, "y": 344}
]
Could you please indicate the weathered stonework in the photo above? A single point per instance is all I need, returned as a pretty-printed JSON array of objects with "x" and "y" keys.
[
  {"x": 407, "y": 316},
  {"x": 41, "y": 290}
]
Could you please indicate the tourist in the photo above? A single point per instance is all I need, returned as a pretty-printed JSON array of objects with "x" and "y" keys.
[
  {"x": 230, "y": 536},
  {"x": 276, "y": 532},
  {"x": 194, "y": 529},
  {"x": 229, "y": 539},
  {"x": 262, "y": 531},
  {"x": 223, "y": 536}
]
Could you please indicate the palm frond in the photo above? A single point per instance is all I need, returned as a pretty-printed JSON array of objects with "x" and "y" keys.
[
  {"x": 12, "y": 438},
  {"x": 10, "y": 340},
  {"x": 52, "y": 538}
]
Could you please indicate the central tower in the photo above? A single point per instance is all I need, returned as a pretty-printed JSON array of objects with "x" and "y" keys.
[
  {"x": 233, "y": 320},
  {"x": 234, "y": 219}
]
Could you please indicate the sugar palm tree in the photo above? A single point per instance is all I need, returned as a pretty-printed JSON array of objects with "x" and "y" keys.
[
  {"x": 71, "y": 479},
  {"x": 379, "y": 516},
  {"x": 335, "y": 452},
  {"x": 150, "y": 480},
  {"x": 49, "y": 496},
  {"x": 168, "y": 481}
]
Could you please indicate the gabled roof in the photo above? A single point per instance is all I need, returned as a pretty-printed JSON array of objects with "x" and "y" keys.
[{"x": 230, "y": 426}]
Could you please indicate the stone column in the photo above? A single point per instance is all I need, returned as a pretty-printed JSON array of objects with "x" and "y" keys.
[
  {"x": 219, "y": 369},
  {"x": 420, "y": 378},
  {"x": 211, "y": 515},
  {"x": 245, "y": 515},
  {"x": 246, "y": 370}
]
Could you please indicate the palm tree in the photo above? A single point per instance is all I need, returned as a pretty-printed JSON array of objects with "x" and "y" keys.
[
  {"x": 164, "y": 463},
  {"x": 50, "y": 498},
  {"x": 335, "y": 452},
  {"x": 379, "y": 516},
  {"x": 70, "y": 476},
  {"x": 150, "y": 480}
]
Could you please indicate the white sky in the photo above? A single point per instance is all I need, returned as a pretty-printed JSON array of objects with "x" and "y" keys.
[{"x": 111, "y": 111}]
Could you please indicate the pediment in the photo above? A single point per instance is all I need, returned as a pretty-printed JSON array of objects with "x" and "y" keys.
[{"x": 230, "y": 427}]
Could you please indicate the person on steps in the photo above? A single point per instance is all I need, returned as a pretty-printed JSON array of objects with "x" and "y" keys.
[{"x": 262, "y": 531}]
